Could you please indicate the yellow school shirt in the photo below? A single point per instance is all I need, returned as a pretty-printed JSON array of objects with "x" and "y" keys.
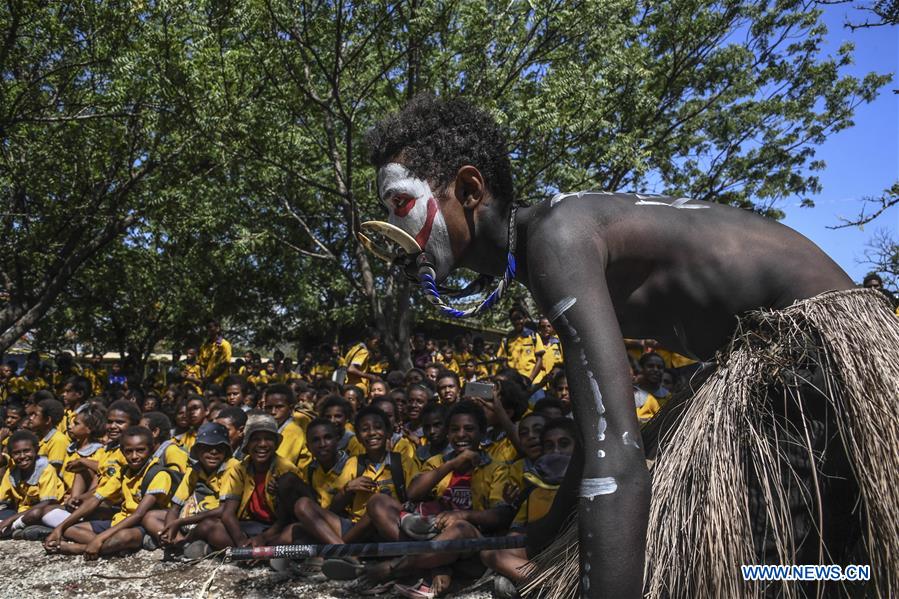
[
  {"x": 452, "y": 366},
  {"x": 42, "y": 485},
  {"x": 539, "y": 500},
  {"x": 302, "y": 418},
  {"x": 402, "y": 444},
  {"x": 321, "y": 370},
  {"x": 186, "y": 439},
  {"x": 171, "y": 456},
  {"x": 238, "y": 483},
  {"x": 358, "y": 357},
  {"x": 25, "y": 386},
  {"x": 73, "y": 452},
  {"x": 258, "y": 380},
  {"x": 54, "y": 447},
  {"x": 521, "y": 351},
  {"x": 647, "y": 405},
  {"x": 552, "y": 356},
  {"x": 293, "y": 444},
  {"x": 212, "y": 354},
  {"x": 380, "y": 474},
  {"x": 674, "y": 359},
  {"x": 125, "y": 490},
  {"x": 328, "y": 484},
  {"x": 110, "y": 461},
  {"x": 487, "y": 481},
  {"x": 97, "y": 379},
  {"x": 501, "y": 449},
  {"x": 199, "y": 491},
  {"x": 349, "y": 443},
  {"x": 194, "y": 371}
]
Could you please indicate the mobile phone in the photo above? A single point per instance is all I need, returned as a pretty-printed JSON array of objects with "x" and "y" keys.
[{"x": 479, "y": 390}]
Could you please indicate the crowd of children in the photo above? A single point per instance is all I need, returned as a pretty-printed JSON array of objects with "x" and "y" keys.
[{"x": 218, "y": 453}]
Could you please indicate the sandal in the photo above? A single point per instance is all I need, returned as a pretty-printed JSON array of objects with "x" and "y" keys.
[{"x": 342, "y": 569}]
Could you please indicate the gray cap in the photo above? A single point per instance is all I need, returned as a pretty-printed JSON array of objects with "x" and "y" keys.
[{"x": 259, "y": 423}]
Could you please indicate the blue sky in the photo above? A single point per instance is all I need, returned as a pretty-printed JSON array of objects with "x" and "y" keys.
[{"x": 862, "y": 160}]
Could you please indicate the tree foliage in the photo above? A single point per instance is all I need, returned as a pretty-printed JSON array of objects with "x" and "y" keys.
[{"x": 148, "y": 143}]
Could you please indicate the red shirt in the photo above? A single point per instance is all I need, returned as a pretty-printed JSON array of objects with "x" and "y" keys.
[{"x": 258, "y": 504}]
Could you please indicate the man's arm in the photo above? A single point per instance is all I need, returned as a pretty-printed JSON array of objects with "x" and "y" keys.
[{"x": 607, "y": 479}]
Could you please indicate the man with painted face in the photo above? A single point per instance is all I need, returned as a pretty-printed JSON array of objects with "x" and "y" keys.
[{"x": 606, "y": 265}]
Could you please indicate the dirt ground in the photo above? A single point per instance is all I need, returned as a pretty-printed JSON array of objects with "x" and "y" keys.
[{"x": 29, "y": 572}]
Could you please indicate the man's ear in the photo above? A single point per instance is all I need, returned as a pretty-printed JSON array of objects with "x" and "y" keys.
[{"x": 470, "y": 186}]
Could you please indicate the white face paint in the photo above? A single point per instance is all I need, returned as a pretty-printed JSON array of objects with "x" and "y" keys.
[
  {"x": 561, "y": 307},
  {"x": 626, "y": 439},
  {"x": 414, "y": 209}
]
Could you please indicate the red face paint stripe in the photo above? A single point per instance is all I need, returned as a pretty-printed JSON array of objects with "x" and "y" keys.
[
  {"x": 425, "y": 233},
  {"x": 406, "y": 208}
]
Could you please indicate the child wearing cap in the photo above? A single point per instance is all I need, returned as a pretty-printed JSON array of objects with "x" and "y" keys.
[
  {"x": 195, "y": 504},
  {"x": 140, "y": 487},
  {"x": 30, "y": 488},
  {"x": 257, "y": 493},
  {"x": 379, "y": 473},
  {"x": 462, "y": 493}
]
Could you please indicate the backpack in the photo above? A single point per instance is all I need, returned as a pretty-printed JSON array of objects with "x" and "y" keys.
[{"x": 151, "y": 473}]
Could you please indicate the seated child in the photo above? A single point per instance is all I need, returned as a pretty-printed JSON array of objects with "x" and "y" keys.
[
  {"x": 234, "y": 419},
  {"x": 14, "y": 418},
  {"x": 433, "y": 425},
  {"x": 195, "y": 503},
  {"x": 75, "y": 393},
  {"x": 507, "y": 407},
  {"x": 141, "y": 486},
  {"x": 279, "y": 402},
  {"x": 540, "y": 485},
  {"x": 465, "y": 491},
  {"x": 86, "y": 431},
  {"x": 550, "y": 408},
  {"x": 417, "y": 397},
  {"x": 378, "y": 473},
  {"x": 257, "y": 494},
  {"x": 529, "y": 430},
  {"x": 165, "y": 450},
  {"x": 43, "y": 419},
  {"x": 30, "y": 488},
  {"x": 340, "y": 412},
  {"x": 235, "y": 387},
  {"x": 108, "y": 461},
  {"x": 196, "y": 412},
  {"x": 400, "y": 441}
]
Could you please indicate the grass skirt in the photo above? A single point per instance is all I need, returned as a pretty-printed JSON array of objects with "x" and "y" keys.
[{"x": 798, "y": 416}]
